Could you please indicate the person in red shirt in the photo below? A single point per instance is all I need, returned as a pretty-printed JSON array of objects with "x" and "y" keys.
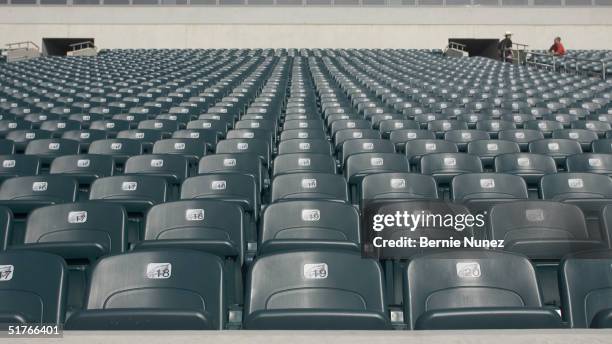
[{"x": 557, "y": 48}]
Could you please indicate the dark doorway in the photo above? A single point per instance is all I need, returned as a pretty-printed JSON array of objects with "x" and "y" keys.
[
  {"x": 60, "y": 46},
  {"x": 485, "y": 47}
]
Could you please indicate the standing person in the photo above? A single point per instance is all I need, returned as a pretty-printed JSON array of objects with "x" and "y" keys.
[
  {"x": 557, "y": 48},
  {"x": 505, "y": 47}
]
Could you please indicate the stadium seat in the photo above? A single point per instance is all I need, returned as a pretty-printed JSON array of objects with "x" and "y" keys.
[
  {"x": 590, "y": 163},
  {"x": 479, "y": 191},
  {"x": 238, "y": 188},
  {"x": 119, "y": 149},
  {"x": 323, "y": 186},
  {"x": 260, "y": 148},
  {"x": 309, "y": 224},
  {"x": 305, "y": 146},
  {"x": 236, "y": 163},
  {"x": 36, "y": 297},
  {"x": 415, "y": 149},
  {"x": 558, "y": 149},
  {"x": 358, "y": 146},
  {"x": 136, "y": 193},
  {"x": 303, "y": 162},
  {"x": 472, "y": 289},
  {"x": 542, "y": 230},
  {"x": 521, "y": 136},
  {"x": 87, "y": 230},
  {"x": 585, "y": 294},
  {"x": 464, "y": 137},
  {"x": 49, "y": 149},
  {"x": 444, "y": 166},
  {"x": 487, "y": 150},
  {"x": 390, "y": 186},
  {"x": 174, "y": 168},
  {"x": 328, "y": 291},
  {"x": 530, "y": 166},
  {"x": 154, "y": 290},
  {"x": 18, "y": 165}
]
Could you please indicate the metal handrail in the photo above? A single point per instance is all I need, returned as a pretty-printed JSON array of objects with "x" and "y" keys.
[
  {"x": 21, "y": 45},
  {"x": 457, "y": 46},
  {"x": 82, "y": 45},
  {"x": 556, "y": 58}
]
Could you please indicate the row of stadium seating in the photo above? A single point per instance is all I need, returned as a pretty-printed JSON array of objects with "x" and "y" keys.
[{"x": 213, "y": 189}]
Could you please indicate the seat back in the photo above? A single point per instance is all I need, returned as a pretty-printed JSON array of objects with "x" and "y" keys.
[{"x": 33, "y": 287}]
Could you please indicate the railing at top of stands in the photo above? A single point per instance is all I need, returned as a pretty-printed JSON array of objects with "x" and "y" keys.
[
  {"x": 562, "y": 61},
  {"x": 457, "y": 46},
  {"x": 22, "y": 45},
  {"x": 81, "y": 45}
]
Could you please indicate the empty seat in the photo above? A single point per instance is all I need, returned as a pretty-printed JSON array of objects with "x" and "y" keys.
[
  {"x": 23, "y": 194},
  {"x": 440, "y": 127},
  {"x": 494, "y": 126},
  {"x": 309, "y": 224},
  {"x": 85, "y": 137},
  {"x": 236, "y": 163},
  {"x": 582, "y": 136},
  {"x": 415, "y": 149},
  {"x": 558, "y": 149},
  {"x": 463, "y": 137},
  {"x": 309, "y": 186},
  {"x": 85, "y": 168},
  {"x": 590, "y": 162},
  {"x": 597, "y": 126},
  {"x": 87, "y": 230},
  {"x": 206, "y": 136},
  {"x": 301, "y": 162},
  {"x": 21, "y": 138},
  {"x": 544, "y": 126},
  {"x": 249, "y": 146},
  {"x": 576, "y": 186},
  {"x": 586, "y": 290},
  {"x": 111, "y": 126},
  {"x": 472, "y": 289},
  {"x": 119, "y": 149},
  {"x": 521, "y": 136},
  {"x": 602, "y": 146},
  {"x": 231, "y": 187},
  {"x": 315, "y": 290},
  {"x": 482, "y": 190},
  {"x": 403, "y": 136},
  {"x": 390, "y": 186},
  {"x": 530, "y": 166},
  {"x": 193, "y": 149},
  {"x": 33, "y": 286},
  {"x": 312, "y": 134},
  {"x": 174, "y": 168},
  {"x": 49, "y": 149},
  {"x": 137, "y": 193},
  {"x": 444, "y": 166},
  {"x": 18, "y": 165},
  {"x": 206, "y": 225},
  {"x": 358, "y": 146},
  {"x": 360, "y": 165},
  {"x": 541, "y": 230},
  {"x": 154, "y": 290},
  {"x": 166, "y": 126},
  {"x": 305, "y": 146},
  {"x": 350, "y": 134},
  {"x": 146, "y": 137},
  {"x": 487, "y": 150}
]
